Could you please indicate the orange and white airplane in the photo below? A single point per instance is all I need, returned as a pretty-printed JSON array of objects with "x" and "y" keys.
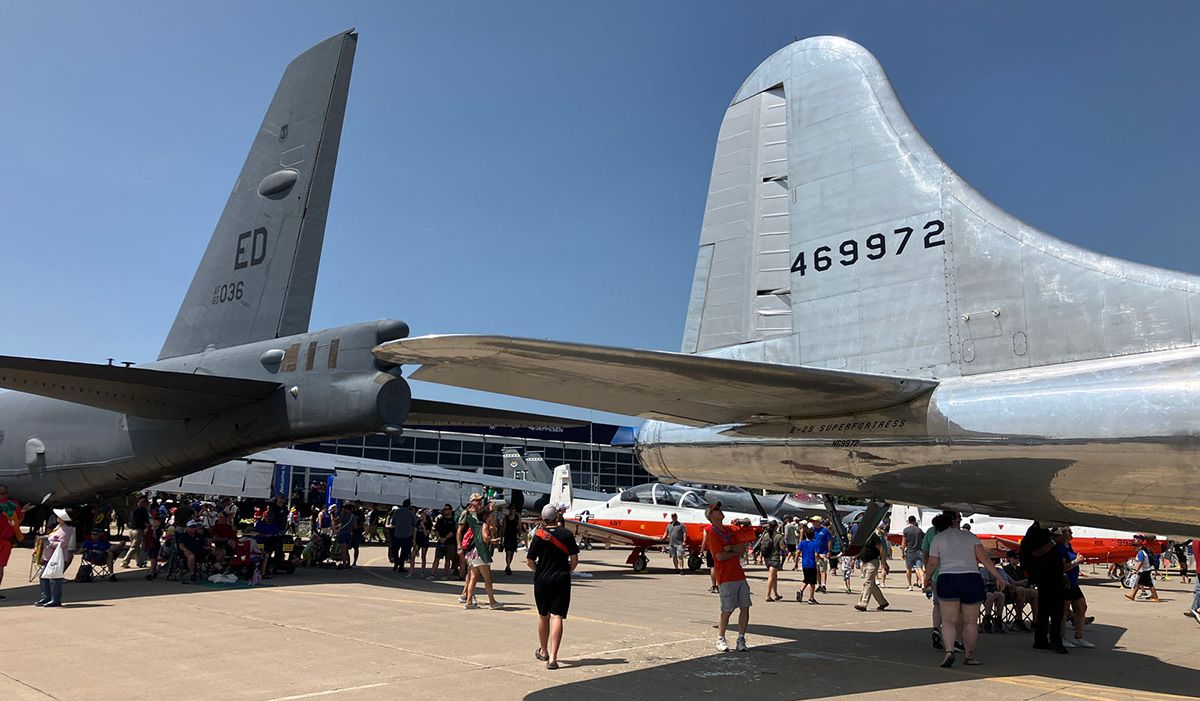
[
  {"x": 638, "y": 517},
  {"x": 1098, "y": 545}
]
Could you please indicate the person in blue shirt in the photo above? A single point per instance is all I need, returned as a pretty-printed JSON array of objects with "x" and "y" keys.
[
  {"x": 821, "y": 536},
  {"x": 1076, "y": 603},
  {"x": 808, "y": 550}
]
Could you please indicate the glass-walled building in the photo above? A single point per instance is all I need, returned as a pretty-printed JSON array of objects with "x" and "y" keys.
[{"x": 595, "y": 463}]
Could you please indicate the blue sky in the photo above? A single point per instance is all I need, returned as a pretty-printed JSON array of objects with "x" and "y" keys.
[{"x": 537, "y": 168}]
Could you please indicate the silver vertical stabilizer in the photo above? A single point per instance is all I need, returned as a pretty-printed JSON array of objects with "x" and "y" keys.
[
  {"x": 258, "y": 274},
  {"x": 835, "y": 237}
]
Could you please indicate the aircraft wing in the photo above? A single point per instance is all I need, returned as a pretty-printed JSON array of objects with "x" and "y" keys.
[
  {"x": 155, "y": 394},
  {"x": 605, "y": 534},
  {"x": 351, "y": 464},
  {"x": 426, "y": 412},
  {"x": 678, "y": 387}
]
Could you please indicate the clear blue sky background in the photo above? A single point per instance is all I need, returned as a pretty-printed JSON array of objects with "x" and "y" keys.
[{"x": 537, "y": 168}]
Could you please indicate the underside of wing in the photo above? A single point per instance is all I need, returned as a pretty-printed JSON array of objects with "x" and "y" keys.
[
  {"x": 604, "y": 534},
  {"x": 351, "y": 464},
  {"x": 427, "y": 412},
  {"x": 154, "y": 394},
  {"x": 687, "y": 389}
]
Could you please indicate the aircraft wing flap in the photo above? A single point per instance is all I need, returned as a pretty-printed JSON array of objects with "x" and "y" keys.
[
  {"x": 154, "y": 394},
  {"x": 427, "y": 412},
  {"x": 678, "y": 387}
]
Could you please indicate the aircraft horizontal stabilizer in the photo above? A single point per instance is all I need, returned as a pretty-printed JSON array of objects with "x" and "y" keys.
[
  {"x": 426, "y": 412},
  {"x": 686, "y": 389},
  {"x": 153, "y": 394}
]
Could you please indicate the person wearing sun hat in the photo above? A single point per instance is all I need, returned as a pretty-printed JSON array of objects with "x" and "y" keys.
[{"x": 62, "y": 537}]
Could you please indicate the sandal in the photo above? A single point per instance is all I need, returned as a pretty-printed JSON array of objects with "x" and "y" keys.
[
  {"x": 541, "y": 655},
  {"x": 551, "y": 665},
  {"x": 948, "y": 660}
]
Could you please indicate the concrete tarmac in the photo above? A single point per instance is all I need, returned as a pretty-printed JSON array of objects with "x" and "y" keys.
[{"x": 369, "y": 634}]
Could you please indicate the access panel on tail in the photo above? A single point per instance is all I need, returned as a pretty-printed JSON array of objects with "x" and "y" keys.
[
  {"x": 834, "y": 236},
  {"x": 258, "y": 274}
]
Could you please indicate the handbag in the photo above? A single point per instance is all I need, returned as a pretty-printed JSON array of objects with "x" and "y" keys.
[{"x": 56, "y": 567}]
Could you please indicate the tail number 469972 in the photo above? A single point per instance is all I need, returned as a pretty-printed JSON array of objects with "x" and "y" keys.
[{"x": 875, "y": 247}]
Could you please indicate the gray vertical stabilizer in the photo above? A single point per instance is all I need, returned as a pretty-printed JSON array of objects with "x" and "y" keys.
[
  {"x": 258, "y": 274},
  {"x": 533, "y": 466}
]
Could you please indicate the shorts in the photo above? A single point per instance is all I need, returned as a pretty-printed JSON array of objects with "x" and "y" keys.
[
  {"x": 344, "y": 538},
  {"x": 356, "y": 540},
  {"x": 810, "y": 575},
  {"x": 552, "y": 598},
  {"x": 422, "y": 540},
  {"x": 708, "y": 559},
  {"x": 833, "y": 562},
  {"x": 967, "y": 588},
  {"x": 473, "y": 559},
  {"x": 734, "y": 595},
  {"x": 790, "y": 548},
  {"x": 675, "y": 551},
  {"x": 822, "y": 563},
  {"x": 775, "y": 561},
  {"x": 913, "y": 560},
  {"x": 1074, "y": 593},
  {"x": 1145, "y": 580},
  {"x": 6, "y": 547}
]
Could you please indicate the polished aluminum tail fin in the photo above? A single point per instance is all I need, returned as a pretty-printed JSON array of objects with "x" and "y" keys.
[
  {"x": 258, "y": 274},
  {"x": 835, "y": 237}
]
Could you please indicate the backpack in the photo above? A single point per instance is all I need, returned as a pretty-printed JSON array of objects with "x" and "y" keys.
[{"x": 468, "y": 538}]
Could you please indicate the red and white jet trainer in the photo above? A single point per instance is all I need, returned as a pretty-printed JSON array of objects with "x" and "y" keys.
[
  {"x": 1098, "y": 545},
  {"x": 637, "y": 517}
]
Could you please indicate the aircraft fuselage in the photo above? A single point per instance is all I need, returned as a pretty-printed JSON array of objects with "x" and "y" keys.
[
  {"x": 1110, "y": 442},
  {"x": 75, "y": 452}
]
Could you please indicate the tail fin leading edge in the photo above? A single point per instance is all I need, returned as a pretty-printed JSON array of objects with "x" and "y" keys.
[{"x": 258, "y": 274}]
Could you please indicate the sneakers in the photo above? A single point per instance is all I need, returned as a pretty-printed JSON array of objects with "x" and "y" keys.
[
  {"x": 741, "y": 644},
  {"x": 937, "y": 640},
  {"x": 471, "y": 605},
  {"x": 860, "y": 607},
  {"x": 462, "y": 599},
  {"x": 882, "y": 607},
  {"x": 1067, "y": 642},
  {"x": 909, "y": 588},
  {"x": 958, "y": 646},
  {"x": 997, "y": 624},
  {"x": 821, "y": 589},
  {"x": 1080, "y": 642},
  {"x": 722, "y": 646},
  {"x": 1196, "y": 614}
]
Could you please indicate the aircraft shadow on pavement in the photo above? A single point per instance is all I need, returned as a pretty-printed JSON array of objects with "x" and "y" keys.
[
  {"x": 131, "y": 584},
  {"x": 818, "y": 663}
]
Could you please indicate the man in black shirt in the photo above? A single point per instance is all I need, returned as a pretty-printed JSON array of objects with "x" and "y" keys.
[
  {"x": 553, "y": 556},
  {"x": 1045, "y": 566},
  {"x": 193, "y": 545}
]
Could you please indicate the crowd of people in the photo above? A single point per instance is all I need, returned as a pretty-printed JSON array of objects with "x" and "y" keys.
[{"x": 1034, "y": 589}]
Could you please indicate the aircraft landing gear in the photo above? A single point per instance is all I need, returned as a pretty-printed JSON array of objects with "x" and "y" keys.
[
  {"x": 638, "y": 559},
  {"x": 694, "y": 562}
]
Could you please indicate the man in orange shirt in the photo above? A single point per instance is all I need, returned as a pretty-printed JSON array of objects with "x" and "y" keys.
[{"x": 727, "y": 544}]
